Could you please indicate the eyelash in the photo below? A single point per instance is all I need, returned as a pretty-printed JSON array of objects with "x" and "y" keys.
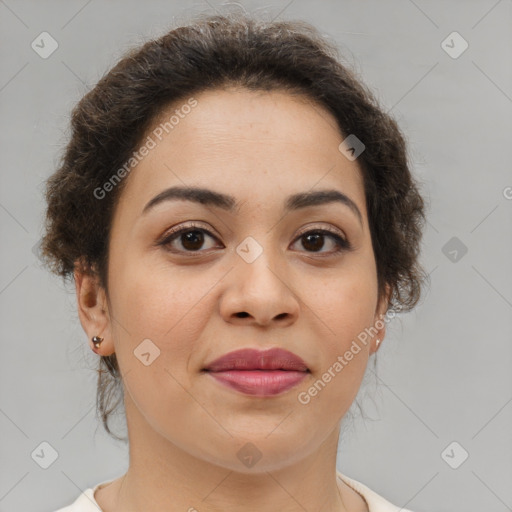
[{"x": 341, "y": 243}]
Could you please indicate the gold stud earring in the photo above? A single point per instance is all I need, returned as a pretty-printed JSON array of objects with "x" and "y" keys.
[
  {"x": 377, "y": 343},
  {"x": 97, "y": 340}
]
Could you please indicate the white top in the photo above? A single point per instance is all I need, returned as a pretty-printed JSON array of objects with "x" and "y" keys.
[{"x": 86, "y": 502}]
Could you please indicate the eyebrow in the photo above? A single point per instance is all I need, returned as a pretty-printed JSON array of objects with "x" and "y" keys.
[{"x": 226, "y": 202}]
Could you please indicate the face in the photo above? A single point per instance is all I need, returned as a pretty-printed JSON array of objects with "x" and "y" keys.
[{"x": 256, "y": 271}]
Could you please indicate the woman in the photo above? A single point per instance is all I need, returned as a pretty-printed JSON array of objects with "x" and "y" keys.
[{"x": 239, "y": 219}]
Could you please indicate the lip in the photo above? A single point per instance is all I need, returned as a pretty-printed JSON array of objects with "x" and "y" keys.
[
  {"x": 252, "y": 359},
  {"x": 260, "y": 382},
  {"x": 261, "y": 373}
]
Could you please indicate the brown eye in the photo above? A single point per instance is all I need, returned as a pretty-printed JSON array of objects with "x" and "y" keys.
[
  {"x": 314, "y": 241},
  {"x": 191, "y": 239}
]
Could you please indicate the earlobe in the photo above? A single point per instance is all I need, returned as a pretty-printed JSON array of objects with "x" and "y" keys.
[
  {"x": 379, "y": 323},
  {"x": 93, "y": 312},
  {"x": 380, "y": 326}
]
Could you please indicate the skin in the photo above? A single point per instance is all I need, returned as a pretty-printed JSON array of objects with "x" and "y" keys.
[{"x": 184, "y": 427}]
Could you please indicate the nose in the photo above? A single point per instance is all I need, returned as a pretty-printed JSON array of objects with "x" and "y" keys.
[{"x": 257, "y": 294}]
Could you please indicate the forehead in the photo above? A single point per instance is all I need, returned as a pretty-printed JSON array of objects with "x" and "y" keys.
[{"x": 257, "y": 146}]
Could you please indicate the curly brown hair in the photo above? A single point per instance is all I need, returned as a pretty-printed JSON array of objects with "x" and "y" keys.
[{"x": 211, "y": 52}]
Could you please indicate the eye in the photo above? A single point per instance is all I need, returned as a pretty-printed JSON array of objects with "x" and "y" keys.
[
  {"x": 313, "y": 240},
  {"x": 190, "y": 237}
]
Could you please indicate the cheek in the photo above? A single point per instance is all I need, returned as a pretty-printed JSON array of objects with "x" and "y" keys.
[
  {"x": 155, "y": 301},
  {"x": 345, "y": 301},
  {"x": 170, "y": 310},
  {"x": 150, "y": 305},
  {"x": 344, "y": 309}
]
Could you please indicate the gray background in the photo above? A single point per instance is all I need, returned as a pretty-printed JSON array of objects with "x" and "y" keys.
[{"x": 444, "y": 371}]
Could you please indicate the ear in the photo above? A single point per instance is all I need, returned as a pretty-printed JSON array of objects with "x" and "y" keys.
[
  {"x": 378, "y": 321},
  {"x": 93, "y": 310}
]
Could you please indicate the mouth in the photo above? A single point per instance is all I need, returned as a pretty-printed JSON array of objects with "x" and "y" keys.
[{"x": 259, "y": 373}]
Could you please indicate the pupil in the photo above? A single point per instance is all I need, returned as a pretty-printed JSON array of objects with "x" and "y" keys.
[
  {"x": 316, "y": 237},
  {"x": 193, "y": 240}
]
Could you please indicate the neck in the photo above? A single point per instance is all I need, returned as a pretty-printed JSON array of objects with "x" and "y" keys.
[{"x": 162, "y": 476}]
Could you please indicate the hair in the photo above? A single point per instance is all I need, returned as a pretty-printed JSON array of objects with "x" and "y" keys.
[{"x": 214, "y": 52}]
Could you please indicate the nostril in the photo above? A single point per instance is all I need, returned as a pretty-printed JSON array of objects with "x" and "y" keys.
[{"x": 243, "y": 314}]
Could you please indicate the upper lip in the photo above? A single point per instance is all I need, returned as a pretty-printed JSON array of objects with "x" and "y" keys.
[{"x": 252, "y": 359}]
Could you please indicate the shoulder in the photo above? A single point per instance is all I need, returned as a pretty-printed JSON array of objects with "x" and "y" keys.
[
  {"x": 376, "y": 503},
  {"x": 85, "y": 502}
]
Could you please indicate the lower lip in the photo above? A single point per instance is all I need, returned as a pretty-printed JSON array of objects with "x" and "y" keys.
[{"x": 260, "y": 382}]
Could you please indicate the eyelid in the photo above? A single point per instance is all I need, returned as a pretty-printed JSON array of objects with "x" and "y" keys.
[
  {"x": 329, "y": 229},
  {"x": 343, "y": 244},
  {"x": 172, "y": 233},
  {"x": 188, "y": 226},
  {"x": 306, "y": 229}
]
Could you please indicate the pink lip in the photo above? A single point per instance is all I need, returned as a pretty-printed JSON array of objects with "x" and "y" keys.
[
  {"x": 256, "y": 372},
  {"x": 252, "y": 359},
  {"x": 260, "y": 382}
]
